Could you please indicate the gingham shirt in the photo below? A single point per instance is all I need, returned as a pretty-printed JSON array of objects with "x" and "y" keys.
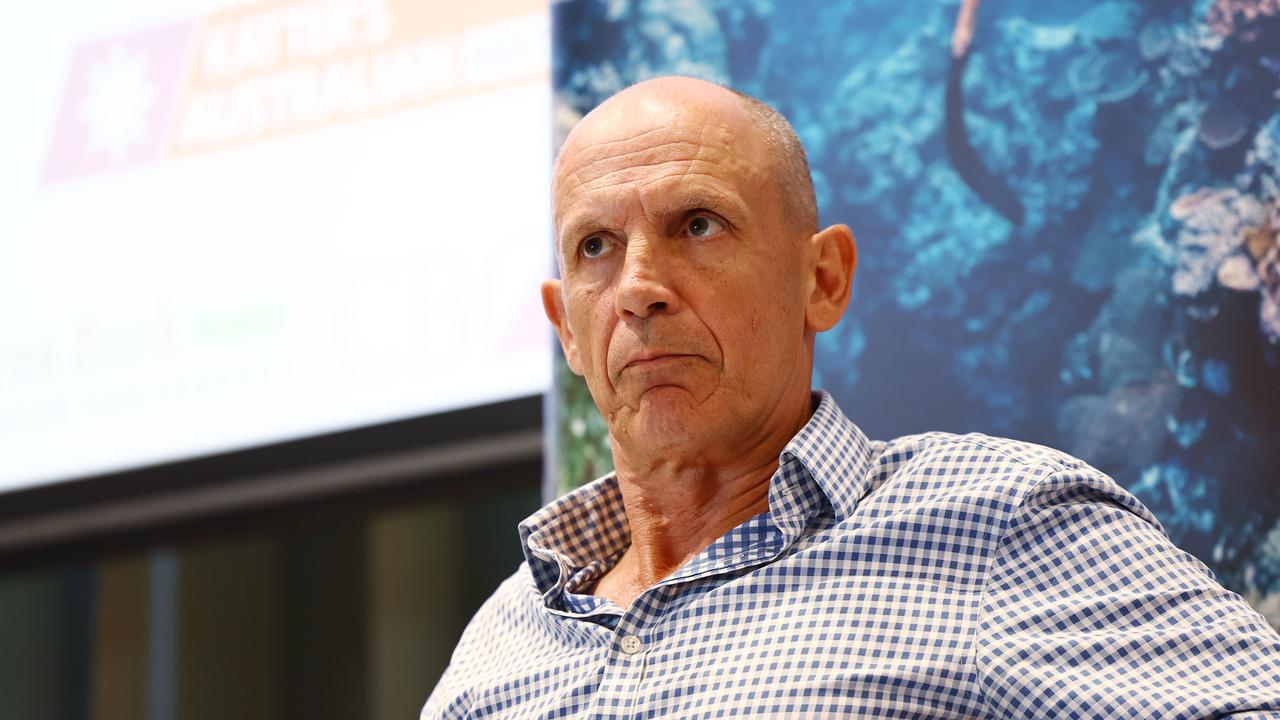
[{"x": 932, "y": 576}]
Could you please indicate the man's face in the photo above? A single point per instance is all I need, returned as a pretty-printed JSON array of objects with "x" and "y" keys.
[{"x": 682, "y": 297}]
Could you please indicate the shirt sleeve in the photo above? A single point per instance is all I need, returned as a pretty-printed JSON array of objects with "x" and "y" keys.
[
  {"x": 1090, "y": 611},
  {"x": 443, "y": 702}
]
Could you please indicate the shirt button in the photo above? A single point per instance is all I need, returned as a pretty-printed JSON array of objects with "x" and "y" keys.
[{"x": 631, "y": 645}]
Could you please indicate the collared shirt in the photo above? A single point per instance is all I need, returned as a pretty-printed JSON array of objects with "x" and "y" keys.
[{"x": 932, "y": 576}]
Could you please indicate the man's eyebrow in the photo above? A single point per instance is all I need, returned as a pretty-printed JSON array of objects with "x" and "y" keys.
[
  {"x": 575, "y": 227},
  {"x": 701, "y": 197}
]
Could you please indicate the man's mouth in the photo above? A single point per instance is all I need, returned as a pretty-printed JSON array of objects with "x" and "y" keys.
[{"x": 655, "y": 360}]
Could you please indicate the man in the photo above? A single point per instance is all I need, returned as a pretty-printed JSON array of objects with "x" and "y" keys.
[{"x": 754, "y": 554}]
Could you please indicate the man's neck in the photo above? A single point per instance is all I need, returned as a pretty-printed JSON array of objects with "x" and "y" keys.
[{"x": 677, "y": 506}]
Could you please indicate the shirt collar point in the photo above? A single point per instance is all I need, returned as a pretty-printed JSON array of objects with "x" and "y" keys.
[{"x": 836, "y": 453}]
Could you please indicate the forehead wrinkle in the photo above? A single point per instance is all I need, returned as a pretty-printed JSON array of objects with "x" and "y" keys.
[
  {"x": 606, "y": 164},
  {"x": 603, "y": 144},
  {"x": 692, "y": 186},
  {"x": 595, "y": 165},
  {"x": 686, "y": 139},
  {"x": 717, "y": 155},
  {"x": 605, "y": 156},
  {"x": 589, "y": 188},
  {"x": 624, "y": 176},
  {"x": 602, "y": 151},
  {"x": 693, "y": 193}
]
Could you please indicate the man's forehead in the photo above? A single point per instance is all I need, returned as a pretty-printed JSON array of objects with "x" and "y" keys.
[
  {"x": 659, "y": 110},
  {"x": 612, "y": 154},
  {"x": 616, "y": 150}
]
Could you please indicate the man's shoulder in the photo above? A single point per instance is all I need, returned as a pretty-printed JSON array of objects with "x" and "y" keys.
[
  {"x": 974, "y": 448},
  {"x": 502, "y": 611},
  {"x": 997, "y": 471},
  {"x": 488, "y": 631}
]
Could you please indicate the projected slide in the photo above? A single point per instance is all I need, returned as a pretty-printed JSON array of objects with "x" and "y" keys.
[{"x": 233, "y": 224}]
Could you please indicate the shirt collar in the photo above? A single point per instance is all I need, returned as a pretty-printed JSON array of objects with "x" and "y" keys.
[
  {"x": 836, "y": 454},
  {"x": 828, "y": 461},
  {"x": 588, "y": 525}
]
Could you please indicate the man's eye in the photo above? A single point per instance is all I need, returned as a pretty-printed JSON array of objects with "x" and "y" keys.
[
  {"x": 704, "y": 226},
  {"x": 595, "y": 246}
]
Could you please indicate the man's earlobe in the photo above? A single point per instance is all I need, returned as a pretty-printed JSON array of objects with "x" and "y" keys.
[
  {"x": 553, "y": 306},
  {"x": 836, "y": 253}
]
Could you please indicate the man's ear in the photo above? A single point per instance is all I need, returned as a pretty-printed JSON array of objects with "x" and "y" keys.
[
  {"x": 553, "y": 305},
  {"x": 836, "y": 254}
]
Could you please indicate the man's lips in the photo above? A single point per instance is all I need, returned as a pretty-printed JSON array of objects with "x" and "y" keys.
[{"x": 655, "y": 359}]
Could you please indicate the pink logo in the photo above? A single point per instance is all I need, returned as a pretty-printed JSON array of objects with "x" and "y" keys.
[{"x": 118, "y": 103}]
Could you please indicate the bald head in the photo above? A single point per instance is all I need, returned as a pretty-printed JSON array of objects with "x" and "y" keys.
[
  {"x": 788, "y": 161},
  {"x": 768, "y": 141}
]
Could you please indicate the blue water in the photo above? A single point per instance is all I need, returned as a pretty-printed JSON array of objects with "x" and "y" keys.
[{"x": 1075, "y": 328}]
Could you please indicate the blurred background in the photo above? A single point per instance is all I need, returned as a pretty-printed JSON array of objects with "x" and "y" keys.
[
  {"x": 273, "y": 356},
  {"x": 275, "y": 384}
]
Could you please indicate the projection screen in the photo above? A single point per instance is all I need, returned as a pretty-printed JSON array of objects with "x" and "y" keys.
[{"x": 235, "y": 224}]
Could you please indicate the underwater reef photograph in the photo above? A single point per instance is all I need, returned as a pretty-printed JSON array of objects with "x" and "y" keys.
[{"x": 1068, "y": 220}]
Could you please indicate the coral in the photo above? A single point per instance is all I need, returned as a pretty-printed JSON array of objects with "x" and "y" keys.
[
  {"x": 1155, "y": 40},
  {"x": 1262, "y": 161},
  {"x": 1268, "y": 270},
  {"x": 1260, "y": 242},
  {"x": 1169, "y": 132},
  {"x": 1126, "y": 85},
  {"x": 1214, "y": 223},
  {"x": 1261, "y": 581},
  {"x": 1110, "y": 429},
  {"x": 1240, "y": 18},
  {"x": 1109, "y": 21},
  {"x": 1185, "y": 432},
  {"x": 1188, "y": 57},
  {"x": 1185, "y": 502},
  {"x": 1125, "y": 342},
  {"x": 1233, "y": 239},
  {"x": 1222, "y": 125},
  {"x": 1236, "y": 273},
  {"x": 1106, "y": 77}
]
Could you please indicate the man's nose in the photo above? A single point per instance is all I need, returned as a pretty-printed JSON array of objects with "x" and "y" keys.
[{"x": 644, "y": 289}]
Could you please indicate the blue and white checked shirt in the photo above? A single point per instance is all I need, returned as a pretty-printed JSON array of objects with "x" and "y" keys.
[{"x": 932, "y": 576}]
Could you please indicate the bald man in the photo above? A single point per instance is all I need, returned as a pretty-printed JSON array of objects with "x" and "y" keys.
[{"x": 754, "y": 554}]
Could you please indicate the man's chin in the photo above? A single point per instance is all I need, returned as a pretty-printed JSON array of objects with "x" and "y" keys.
[{"x": 667, "y": 415}]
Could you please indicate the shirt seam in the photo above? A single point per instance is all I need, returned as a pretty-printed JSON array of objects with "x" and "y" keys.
[{"x": 999, "y": 553}]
